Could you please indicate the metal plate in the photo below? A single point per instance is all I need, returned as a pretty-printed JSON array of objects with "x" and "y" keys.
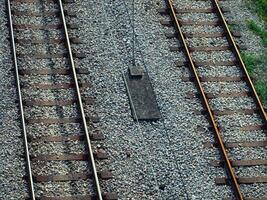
[{"x": 142, "y": 97}]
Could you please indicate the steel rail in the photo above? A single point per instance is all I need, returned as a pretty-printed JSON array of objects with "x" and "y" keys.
[
  {"x": 15, "y": 61},
  {"x": 221, "y": 146},
  {"x": 237, "y": 53},
  {"x": 84, "y": 123}
]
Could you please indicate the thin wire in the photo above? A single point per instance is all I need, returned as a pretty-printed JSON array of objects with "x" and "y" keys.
[
  {"x": 139, "y": 128},
  {"x": 133, "y": 27},
  {"x": 138, "y": 123},
  {"x": 137, "y": 43},
  {"x": 169, "y": 139}
]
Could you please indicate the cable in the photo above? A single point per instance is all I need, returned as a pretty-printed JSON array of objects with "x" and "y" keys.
[{"x": 133, "y": 27}]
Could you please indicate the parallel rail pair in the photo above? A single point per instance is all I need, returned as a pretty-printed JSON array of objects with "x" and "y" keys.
[
  {"x": 73, "y": 72},
  {"x": 203, "y": 95}
]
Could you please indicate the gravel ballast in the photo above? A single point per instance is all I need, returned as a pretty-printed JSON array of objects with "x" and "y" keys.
[{"x": 165, "y": 159}]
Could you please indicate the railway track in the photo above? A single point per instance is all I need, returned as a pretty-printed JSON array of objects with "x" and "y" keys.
[
  {"x": 180, "y": 19},
  {"x": 57, "y": 131}
]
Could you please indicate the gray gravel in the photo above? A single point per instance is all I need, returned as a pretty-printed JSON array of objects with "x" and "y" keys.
[
  {"x": 82, "y": 187},
  {"x": 204, "y": 41},
  {"x": 219, "y": 72},
  {"x": 150, "y": 160},
  {"x": 49, "y": 94},
  {"x": 224, "y": 87},
  {"x": 215, "y": 56}
]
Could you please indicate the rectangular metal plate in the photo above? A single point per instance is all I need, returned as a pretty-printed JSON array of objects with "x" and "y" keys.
[{"x": 142, "y": 97}]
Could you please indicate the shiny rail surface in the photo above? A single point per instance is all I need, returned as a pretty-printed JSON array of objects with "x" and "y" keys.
[{"x": 23, "y": 124}]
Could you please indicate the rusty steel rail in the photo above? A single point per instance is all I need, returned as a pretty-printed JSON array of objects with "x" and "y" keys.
[
  {"x": 240, "y": 61},
  {"x": 204, "y": 98}
]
